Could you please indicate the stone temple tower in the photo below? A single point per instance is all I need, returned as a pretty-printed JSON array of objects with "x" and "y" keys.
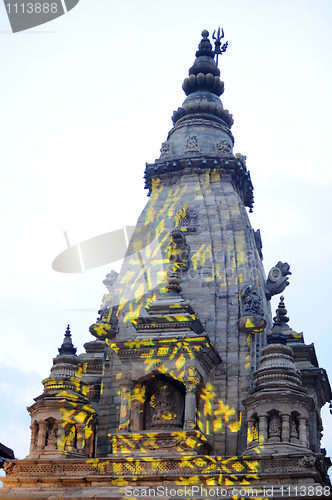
[{"x": 188, "y": 381}]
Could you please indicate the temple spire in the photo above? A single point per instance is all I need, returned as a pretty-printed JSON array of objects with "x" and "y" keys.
[
  {"x": 204, "y": 74},
  {"x": 67, "y": 347}
]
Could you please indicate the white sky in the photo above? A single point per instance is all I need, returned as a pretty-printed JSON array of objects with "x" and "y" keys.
[{"x": 86, "y": 100}]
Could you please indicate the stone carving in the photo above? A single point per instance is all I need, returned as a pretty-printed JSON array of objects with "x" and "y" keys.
[
  {"x": 308, "y": 461},
  {"x": 166, "y": 407},
  {"x": 252, "y": 302},
  {"x": 191, "y": 143},
  {"x": 110, "y": 280},
  {"x": 178, "y": 251},
  {"x": 223, "y": 147},
  {"x": 252, "y": 318},
  {"x": 293, "y": 431},
  {"x": 185, "y": 219},
  {"x": 258, "y": 241},
  {"x": 277, "y": 279},
  {"x": 165, "y": 149},
  {"x": 105, "y": 326},
  {"x": 274, "y": 427}
]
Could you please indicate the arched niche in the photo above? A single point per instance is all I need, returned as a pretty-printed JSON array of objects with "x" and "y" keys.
[{"x": 160, "y": 401}]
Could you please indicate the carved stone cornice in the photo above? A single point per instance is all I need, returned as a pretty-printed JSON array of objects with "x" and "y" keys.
[
  {"x": 159, "y": 350},
  {"x": 197, "y": 162}
]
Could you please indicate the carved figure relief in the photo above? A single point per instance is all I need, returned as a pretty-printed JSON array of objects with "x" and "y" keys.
[
  {"x": 277, "y": 279},
  {"x": 166, "y": 408},
  {"x": 178, "y": 251},
  {"x": 51, "y": 434},
  {"x": 274, "y": 432},
  {"x": 293, "y": 430},
  {"x": 165, "y": 149},
  {"x": 185, "y": 219},
  {"x": 252, "y": 302},
  {"x": 223, "y": 147},
  {"x": 191, "y": 144}
]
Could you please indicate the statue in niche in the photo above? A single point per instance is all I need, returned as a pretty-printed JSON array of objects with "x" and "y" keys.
[
  {"x": 252, "y": 302},
  {"x": 178, "y": 251},
  {"x": 191, "y": 143},
  {"x": 223, "y": 147},
  {"x": 275, "y": 427},
  {"x": 185, "y": 219},
  {"x": 277, "y": 279},
  {"x": 293, "y": 430},
  {"x": 166, "y": 407},
  {"x": 165, "y": 149}
]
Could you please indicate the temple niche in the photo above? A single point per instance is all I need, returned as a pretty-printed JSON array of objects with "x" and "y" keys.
[{"x": 163, "y": 407}]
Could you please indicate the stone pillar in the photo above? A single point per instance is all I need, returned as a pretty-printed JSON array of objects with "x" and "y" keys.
[
  {"x": 262, "y": 428},
  {"x": 80, "y": 438},
  {"x": 61, "y": 437},
  {"x": 250, "y": 431},
  {"x": 41, "y": 435},
  {"x": 285, "y": 438},
  {"x": 125, "y": 391},
  {"x": 303, "y": 431},
  {"x": 34, "y": 431},
  {"x": 190, "y": 405},
  {"x": 137, "y": 401}
]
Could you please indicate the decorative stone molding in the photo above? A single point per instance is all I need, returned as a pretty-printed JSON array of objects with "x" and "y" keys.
[{"x": 161, "y": 443}]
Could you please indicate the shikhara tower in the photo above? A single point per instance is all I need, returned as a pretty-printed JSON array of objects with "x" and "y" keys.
[{"x": 189, "y": 381}]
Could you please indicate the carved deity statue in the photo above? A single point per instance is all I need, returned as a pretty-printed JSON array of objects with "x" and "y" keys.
[
  {"x": 223, "y": 147},
  {"x": 275, "y": 427},
  {"x": 166, "y": 407},
  {"x": 277, "y": 279}
]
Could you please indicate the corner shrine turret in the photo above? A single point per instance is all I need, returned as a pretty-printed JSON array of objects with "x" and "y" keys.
[{"x": 188, "y": 380}]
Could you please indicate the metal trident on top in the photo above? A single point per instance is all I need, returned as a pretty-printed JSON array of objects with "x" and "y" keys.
[{"x": 218, "y": 49}]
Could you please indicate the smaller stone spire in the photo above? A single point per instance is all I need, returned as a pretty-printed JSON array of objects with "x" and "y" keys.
[
  {"x": 67, "y": 348},
  {"x": 281, "y": 318},
  {"x": 279, "y": 324}
]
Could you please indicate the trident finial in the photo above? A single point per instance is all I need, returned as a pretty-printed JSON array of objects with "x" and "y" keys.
[{"x": 217, "y": 44}]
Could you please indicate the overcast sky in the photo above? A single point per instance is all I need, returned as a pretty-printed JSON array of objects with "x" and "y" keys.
[{"x": 87, "y": 99}]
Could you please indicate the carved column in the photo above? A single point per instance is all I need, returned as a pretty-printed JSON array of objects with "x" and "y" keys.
[
  {"x": 125, "y": 391},
  {"x": 190, "y": 404},
  {"x": 303, "y": 431},
  {"x": 285, "y": 428},
  {"x": 80, "y": 438},
  {"x": 250, "y": 432},
  {"x": 262, "y": 428},
  {"x": 61, "y": 436},
  {"x": 41, "y": 435},
  {"x": 137, "y": 400},
  {"x": 34, "y": 431}
]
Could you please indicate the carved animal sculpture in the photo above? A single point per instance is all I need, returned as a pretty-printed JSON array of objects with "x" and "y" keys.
[{"x": 277, "y": 279}]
